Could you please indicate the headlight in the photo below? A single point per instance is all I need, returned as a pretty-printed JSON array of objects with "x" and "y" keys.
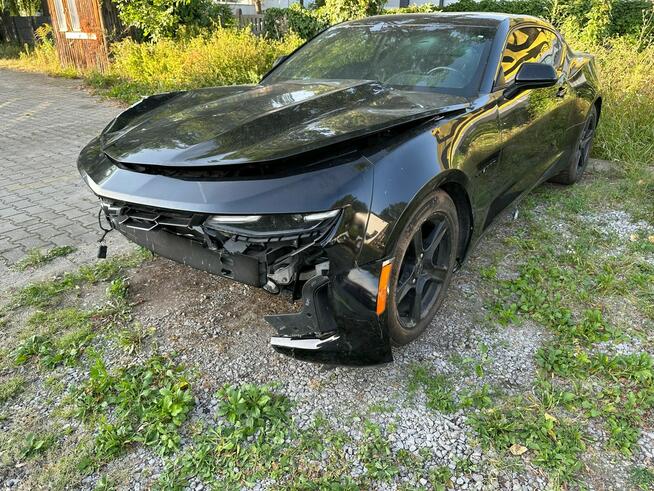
[{"x": 272, "y": 225}]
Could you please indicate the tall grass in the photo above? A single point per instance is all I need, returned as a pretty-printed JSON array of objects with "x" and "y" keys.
[
  {"x": 42, "y": 57},
  {"x": 224, "y": 57},
  {"x": 626, "y": 131}
]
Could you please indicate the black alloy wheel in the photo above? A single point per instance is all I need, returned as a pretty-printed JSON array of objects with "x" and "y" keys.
[
  {"x": 581, "y": 153},
  {"x": 424, "y": 260}
]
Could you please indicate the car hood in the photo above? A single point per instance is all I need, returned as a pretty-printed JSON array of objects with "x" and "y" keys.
[{"x": 245, "y": 124}]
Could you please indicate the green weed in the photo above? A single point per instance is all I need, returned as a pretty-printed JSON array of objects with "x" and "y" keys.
[
  {"x": 104, "y": 484},
  {"x": 478, "y": 398},
  {"x": 37, "y": 443},
  {"x": 36, "y": 258},
  {"x": 642, "y": 477},
  {"x": 375, "y": 454},
  {"x": 118, "y": 289},
  {"x": 147, "y": 402},
  {"x": 131, "y": 338},
  {"x": 249, "y": 444},
  {"x": 249, "y": 407},
  {"x": 65, "y": 350},
  {"x": 552, "y": 443},
  {"x": 11, "y": 387},
  {"x": 46, "y": 293},
  {"x": 437, "y": 388},
  {"x": 441, "y": 478}
]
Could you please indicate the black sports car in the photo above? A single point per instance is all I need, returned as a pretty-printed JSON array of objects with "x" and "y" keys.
[{"x": 358, "y": 173}]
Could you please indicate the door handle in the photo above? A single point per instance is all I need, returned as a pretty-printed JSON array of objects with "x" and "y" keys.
[{"x": 561, "y": 92}]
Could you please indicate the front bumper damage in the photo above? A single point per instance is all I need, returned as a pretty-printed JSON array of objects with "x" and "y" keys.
[{"x": 338, "y": 323}]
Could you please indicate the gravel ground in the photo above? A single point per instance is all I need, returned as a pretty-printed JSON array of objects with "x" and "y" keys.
[{"x": 216, "y": 328}]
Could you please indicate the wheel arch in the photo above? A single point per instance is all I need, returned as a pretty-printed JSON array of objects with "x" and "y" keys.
[
  {"x": 455, "y": 183},
  {"x": 598, "y": 106},
  {"x": 461, "y": 199}
]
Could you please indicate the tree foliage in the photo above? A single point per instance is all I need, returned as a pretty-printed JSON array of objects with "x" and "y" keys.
[
  {"x": 170, "y": 18},
  {"x": 597, "y": 19},
  {"x": 21, "y": 7}
]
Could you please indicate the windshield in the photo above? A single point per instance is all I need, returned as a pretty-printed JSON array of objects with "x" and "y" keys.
[{"x": 438, "y": 57}]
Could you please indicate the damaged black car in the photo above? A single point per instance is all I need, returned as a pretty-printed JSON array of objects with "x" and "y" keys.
[{"x": 358, "y": 174}]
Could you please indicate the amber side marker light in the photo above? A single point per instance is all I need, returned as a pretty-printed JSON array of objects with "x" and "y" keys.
[{"x": 382, "y": 291}]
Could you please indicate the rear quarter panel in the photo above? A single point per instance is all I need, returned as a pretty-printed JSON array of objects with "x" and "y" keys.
[{"x": 584, "y": 81}]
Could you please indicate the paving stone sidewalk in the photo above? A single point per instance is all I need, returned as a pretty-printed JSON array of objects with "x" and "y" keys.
[{"x": 44, "y": 123}]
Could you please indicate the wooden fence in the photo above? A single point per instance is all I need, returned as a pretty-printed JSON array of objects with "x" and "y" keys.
[
  {"x": 255, "y": 21},
  {"x": 20, "y": 30}
]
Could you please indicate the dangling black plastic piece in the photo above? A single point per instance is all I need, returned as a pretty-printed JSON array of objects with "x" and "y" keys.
[{"x": 102, "y": 250}]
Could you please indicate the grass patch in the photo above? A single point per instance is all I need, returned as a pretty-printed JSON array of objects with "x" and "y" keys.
[
  {"x": 642, "y": 477},
  {"x": 560, "y": 285},
  {"x": 520, "y": 426},
  {"x": 59, "y": 320},
  {"x": 437, "y": 388},
  {"x": 145, "y": 403},
  {"x": 623, "y": 397},
  {"x": 11, "y": 387},
  {"x": 36, "y": 258},
  {"x": 65, "y": 350},
  {"x": 132, "y": 338},
  {"x": 246, "y": 447},
  {"x": 64, "y": 466},
  {"x": 37, "y": 443},
  {"x": 256, "y": 439},
  {"x": 47, "y": 293}
]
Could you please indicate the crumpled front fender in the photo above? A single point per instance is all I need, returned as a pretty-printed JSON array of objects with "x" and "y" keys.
[{"x": 338, "y": 323}]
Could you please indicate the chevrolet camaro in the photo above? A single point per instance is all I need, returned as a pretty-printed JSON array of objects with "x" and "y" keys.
[{"x": 358, "y": 174}]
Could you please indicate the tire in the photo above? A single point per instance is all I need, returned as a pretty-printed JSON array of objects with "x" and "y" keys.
[
  {"x": 407, "y": 316},
  {"x": 579, "y": 158}
]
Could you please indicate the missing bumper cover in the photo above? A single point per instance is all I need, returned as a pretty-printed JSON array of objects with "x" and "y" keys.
[{"x": 315, "y": 319}]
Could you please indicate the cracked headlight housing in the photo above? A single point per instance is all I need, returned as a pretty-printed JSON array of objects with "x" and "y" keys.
[{"x": 278, "y": 225}]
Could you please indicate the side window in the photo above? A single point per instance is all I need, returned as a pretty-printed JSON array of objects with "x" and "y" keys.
[{"x": 530, "y": 44}]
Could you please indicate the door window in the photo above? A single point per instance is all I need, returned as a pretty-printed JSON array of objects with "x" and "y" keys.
[{"x": 530, "y": 44}]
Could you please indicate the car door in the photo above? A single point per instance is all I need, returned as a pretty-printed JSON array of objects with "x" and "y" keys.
[{"x": 533, "y": 123}]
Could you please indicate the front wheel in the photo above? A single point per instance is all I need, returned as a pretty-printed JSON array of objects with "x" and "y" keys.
[{"x": 425, "y": 256}]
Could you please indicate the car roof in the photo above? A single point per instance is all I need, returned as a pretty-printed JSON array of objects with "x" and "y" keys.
[{"x": 486, "y": 19}]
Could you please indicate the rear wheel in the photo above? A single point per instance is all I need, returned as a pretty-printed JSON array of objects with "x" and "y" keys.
[
  {"x": 579, "y": 158},
  {"x": 425, "y": 256}
]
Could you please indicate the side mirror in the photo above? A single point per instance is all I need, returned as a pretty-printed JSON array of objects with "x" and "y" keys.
[
  {"x": 279, "y": 60},
  {"x": 532, "y": 76}
]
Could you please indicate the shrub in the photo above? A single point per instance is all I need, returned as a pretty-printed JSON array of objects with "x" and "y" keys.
[
  {"x": 303, "y": 22},
  {"x": 21, "y": 7},
  {"x": 598, "y": 19},
  {"x": 42, "y": 57},
  {"x": 341, "y": 10},
  {"x": 167, "y": 18}
]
